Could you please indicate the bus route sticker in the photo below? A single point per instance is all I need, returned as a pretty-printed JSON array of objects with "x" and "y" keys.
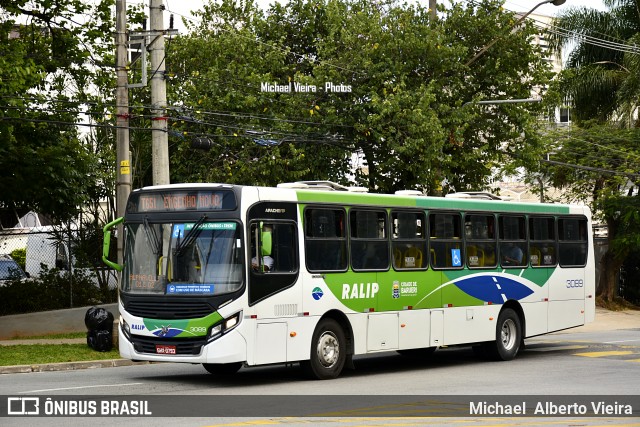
[{"x": 190, "y": 289}]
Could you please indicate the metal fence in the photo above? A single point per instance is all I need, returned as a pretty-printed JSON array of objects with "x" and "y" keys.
[{"x": 45, "y": 268}]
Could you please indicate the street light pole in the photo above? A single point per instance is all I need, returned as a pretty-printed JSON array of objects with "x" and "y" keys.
[{"x": 515, "y": 26}]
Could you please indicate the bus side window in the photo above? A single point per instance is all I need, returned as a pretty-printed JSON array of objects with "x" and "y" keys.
[
  {"x": 325, "y": 239},
  {"x": 369, "y": 245},
  {"x": 275, "y": 269},
  {"x": 275, "y": 243},
  {"x": 480, "y": 239},
  {"x": 572, "y": 242},
  {"x": 445, "y": 238},
  {"x": 409, "y": 245},
  {"x": 542, "y": 241},
  {"x": 513, "y": 241}
]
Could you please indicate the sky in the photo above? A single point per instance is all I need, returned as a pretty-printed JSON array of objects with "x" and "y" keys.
[{"x": 184, "y": 7}]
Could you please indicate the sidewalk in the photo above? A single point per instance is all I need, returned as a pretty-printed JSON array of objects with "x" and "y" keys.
[{"x": 606, "y": 320}]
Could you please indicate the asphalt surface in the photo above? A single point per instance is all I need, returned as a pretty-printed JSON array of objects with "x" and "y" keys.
[{"x": 605, "y": 320}]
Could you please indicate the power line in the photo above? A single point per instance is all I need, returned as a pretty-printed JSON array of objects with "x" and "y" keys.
[{"x": 590, "y": 168}]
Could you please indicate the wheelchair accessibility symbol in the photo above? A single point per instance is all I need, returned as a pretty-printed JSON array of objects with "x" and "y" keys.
[{"x": 456, "y": 259}]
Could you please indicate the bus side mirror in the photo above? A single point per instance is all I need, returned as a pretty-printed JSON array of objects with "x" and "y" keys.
[{"x": 106, "y": 244}]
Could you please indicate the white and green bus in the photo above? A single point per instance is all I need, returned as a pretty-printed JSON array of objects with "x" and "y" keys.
[{"x": 227, "y": 275}]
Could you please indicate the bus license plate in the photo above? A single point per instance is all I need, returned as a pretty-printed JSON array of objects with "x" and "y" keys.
[{"x": 165, "y": 349}]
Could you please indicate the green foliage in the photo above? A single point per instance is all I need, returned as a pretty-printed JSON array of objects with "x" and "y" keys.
[
  {"x": 408, "y": 115},
  {"x": 52, "y": 290},
  {"x": 49, "y": 63},
  {"x": 20, "y": 257},
  {"x": 624, "y": 212},
  {"x": 601, "y": 82},
  {"x": 597, "y": 165}
]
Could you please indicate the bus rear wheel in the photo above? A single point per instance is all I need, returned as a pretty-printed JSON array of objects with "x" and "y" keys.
[
  {"x": 508, "y": 336},
  {"x": 328, "y": 351},
  {"x": 222, "y": 369}
]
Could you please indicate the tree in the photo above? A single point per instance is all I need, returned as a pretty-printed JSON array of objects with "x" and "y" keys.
[
  {"x": 400, "y": 97},
  {"x": 601, "y": 83},
  {"x": 57, "y": 86},
  {"x": 46, "y": 69},
  {"x": 597, "y": 165},
  {"x": 601, "y": 76}
]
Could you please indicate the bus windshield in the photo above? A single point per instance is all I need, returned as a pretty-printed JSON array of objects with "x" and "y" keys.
[{"x": 195, "y": 258}]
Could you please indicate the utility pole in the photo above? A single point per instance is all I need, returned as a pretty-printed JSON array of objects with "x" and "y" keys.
[
  {"x": 159, "y": 137},
  {"x": 123, "y": 166}
]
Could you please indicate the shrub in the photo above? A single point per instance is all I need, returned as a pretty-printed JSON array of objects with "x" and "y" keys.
[{"x": 52, "y": 290}]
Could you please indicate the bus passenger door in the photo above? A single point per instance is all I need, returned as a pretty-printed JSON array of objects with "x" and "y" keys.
[{"x": 273, "y": 268}]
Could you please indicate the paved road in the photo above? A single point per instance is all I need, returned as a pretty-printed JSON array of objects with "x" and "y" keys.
[{"x": 598, "y": 359}]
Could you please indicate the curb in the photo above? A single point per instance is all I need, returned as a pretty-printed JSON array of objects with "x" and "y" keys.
[{"x": 68, "y": 366}]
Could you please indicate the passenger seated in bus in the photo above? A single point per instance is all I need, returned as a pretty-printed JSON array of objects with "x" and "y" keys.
[{"x": 512, "y": 254}]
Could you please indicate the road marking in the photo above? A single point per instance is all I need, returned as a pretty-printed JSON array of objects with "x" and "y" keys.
[
  {"x": 604, "y": 353},
  {"x": 78, "y": 388},
  {"x": 614, "y": 342},
  {"x": 558, "y": 348}
]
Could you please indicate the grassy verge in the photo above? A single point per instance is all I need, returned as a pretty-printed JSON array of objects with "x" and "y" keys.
[
  {"x": 34, "y": 354},
  {"x": 54, "y": 336}
]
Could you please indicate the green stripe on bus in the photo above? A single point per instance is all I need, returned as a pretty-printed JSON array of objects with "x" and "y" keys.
[{"x": 387, "y": 200}]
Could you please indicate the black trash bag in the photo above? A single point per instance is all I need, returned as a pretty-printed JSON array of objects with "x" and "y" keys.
[
  {"x": 99, "y": 323},
  {"x": 98, "y": 319},
  {"x": 100, "y": 340}
]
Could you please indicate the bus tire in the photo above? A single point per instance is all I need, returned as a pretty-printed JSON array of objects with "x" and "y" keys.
[
  {"x": 222, "y": 369},
  {"x": 328, "y": 351},
  {"x": 508, "y": 336}
]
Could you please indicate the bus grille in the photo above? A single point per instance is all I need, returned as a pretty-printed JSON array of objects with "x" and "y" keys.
[
  {"x": 169, "y": 310},
  {"x": 185, "y": 346}
]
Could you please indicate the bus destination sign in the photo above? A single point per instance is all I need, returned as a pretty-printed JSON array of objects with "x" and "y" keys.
[{"x": 181, "y": 201}]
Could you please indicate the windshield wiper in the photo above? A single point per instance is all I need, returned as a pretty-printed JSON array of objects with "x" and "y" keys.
[
  {"x": 151, "y": 236},
  {"x": 190, "y": 237}
]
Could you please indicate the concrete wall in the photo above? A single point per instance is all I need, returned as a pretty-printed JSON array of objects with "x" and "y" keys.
[{"x": 48, "y": 322}]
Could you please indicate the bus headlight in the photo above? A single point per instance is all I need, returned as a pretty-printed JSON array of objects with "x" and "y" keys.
[
  {"x": 224, "y": 326},
  {"x": 125, "y": 327}
]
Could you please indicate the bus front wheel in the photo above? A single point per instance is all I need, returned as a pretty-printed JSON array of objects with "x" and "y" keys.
[
  {"x": 508, "y": 336},
  {"x": 222, "y": 369},
  {"x": 328, "y": 351}
]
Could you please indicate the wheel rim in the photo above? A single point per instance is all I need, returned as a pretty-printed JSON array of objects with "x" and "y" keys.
[
  {"x": 328, "y": 349},
  {"x": 508, "y": 334}
]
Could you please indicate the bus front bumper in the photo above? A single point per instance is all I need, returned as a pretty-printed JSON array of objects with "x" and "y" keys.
[{"x": 229, "y": 348}]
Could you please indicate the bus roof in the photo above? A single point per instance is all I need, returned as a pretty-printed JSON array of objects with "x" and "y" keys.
[{"x": 325, "y": 192}]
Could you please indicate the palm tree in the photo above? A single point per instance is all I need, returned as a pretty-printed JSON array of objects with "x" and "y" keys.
[{"x": 601, "y": 77}]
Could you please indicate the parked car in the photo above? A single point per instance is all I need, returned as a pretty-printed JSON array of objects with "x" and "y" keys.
[{"x": 10, "y": 270}]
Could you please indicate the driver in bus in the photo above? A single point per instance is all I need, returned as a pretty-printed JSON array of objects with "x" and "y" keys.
[{"x": 267, "y": 263}]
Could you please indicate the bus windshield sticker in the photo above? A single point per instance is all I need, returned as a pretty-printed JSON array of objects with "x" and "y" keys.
[
  {"x": 456, "y": 260},
  {"x": 190, "y": 289},
  {"x": 178, "y": 230},
  {"x": 211, "y": 226}
]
